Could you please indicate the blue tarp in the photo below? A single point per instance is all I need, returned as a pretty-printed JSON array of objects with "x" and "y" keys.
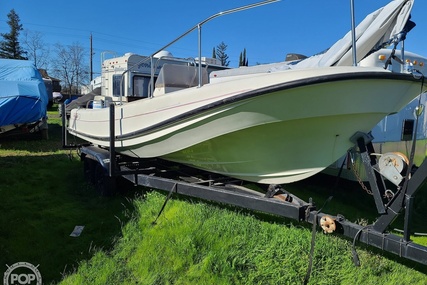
[{"x": 23, "y": 95}]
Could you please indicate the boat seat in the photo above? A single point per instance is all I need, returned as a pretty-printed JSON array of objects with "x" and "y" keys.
[{"x": 173, "y": 77}]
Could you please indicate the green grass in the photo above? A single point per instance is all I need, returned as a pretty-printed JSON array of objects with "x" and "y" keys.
[
  {"x": 197, "y": 243},
  {"x": 43, "y": 196}
]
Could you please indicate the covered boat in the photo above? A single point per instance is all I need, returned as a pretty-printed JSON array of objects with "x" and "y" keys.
[
  {"x": 269, "y": 124},
  {"x": 23, "y": 95}
]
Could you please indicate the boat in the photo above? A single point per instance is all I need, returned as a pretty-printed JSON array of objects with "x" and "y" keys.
[
  {"x": 271, "y": 124},
  {"x": 23, "y": 97}
]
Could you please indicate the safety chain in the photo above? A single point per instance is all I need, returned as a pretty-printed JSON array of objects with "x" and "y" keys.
[
  {"x": 388, "y": 193},
  {"x": 359, "y": 179}
]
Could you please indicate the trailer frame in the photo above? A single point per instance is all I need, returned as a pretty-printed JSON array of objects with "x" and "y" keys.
[{"x": 103, "y": 166}]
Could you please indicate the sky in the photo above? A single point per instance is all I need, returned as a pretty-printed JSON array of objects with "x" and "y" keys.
[{"x": 267, "y": 33}]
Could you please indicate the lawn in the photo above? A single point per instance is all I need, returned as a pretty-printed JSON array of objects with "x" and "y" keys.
[
  {"x": 199, "y": 243},
  {"x": 44, "y": 196}
]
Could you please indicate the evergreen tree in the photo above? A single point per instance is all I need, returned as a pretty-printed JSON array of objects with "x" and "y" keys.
[
  {"x": 10, "y": 47},
  {"x": 214, "y": 53},
  {"x": 243, "y": 61},
  {"x": 221, "y": 55}
]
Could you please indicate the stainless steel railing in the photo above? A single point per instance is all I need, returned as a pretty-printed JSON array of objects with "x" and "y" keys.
[{"x": 199, "y": 28}]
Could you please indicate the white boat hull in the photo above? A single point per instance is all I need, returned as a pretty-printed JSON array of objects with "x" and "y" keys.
[{"x": 273, "y": 128}]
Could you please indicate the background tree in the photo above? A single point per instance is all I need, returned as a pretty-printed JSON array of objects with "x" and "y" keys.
[
  {"x": 69, "y": 67},
  {"x": 221, "y": 55},
  {"x": 10, "y": 47},
  {"x": 37, "y": 50},
  {"x": 243, "y": 61}
]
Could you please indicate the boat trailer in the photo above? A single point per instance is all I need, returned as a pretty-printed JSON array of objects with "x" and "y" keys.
[{"x": 104, "y": 166}]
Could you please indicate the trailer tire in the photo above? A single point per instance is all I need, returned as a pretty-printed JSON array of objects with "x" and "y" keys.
[
  {"x": 104, "y": 184},
  {"x": 89, "y": 169}
]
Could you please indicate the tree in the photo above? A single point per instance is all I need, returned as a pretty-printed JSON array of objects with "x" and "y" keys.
[
  {"x": 221, "y": 55},
  {"x": 243, "y": 61},
  {"x": 10, "y": 47},
  {"x": 37, "y": 50},
  {"x": 69, "y": 68}
]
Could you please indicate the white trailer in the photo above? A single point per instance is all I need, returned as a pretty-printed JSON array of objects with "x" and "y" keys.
[{"x": 131, "y": 76}]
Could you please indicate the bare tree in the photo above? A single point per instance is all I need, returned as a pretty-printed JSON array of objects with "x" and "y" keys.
[
  {"x": 37, "y": 50},
  {"x": 69, "y": 67}
]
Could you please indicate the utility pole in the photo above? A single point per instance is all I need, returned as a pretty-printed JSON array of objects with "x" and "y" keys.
[{"x": 91, "y": 58}]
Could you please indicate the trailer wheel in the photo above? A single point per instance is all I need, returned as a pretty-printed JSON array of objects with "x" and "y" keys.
[
  {"x": 104, "y": 184},
  {"x": 89, "y": 169}
]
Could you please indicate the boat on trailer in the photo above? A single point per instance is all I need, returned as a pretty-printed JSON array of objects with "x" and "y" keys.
[
  {"x": 23, "y": 98},
  {"x": 104, "y": 163},
  {"x": 263, "y": 124}
]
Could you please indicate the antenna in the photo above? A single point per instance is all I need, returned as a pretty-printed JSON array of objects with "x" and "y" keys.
[{"x": 353, "y": 33}]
